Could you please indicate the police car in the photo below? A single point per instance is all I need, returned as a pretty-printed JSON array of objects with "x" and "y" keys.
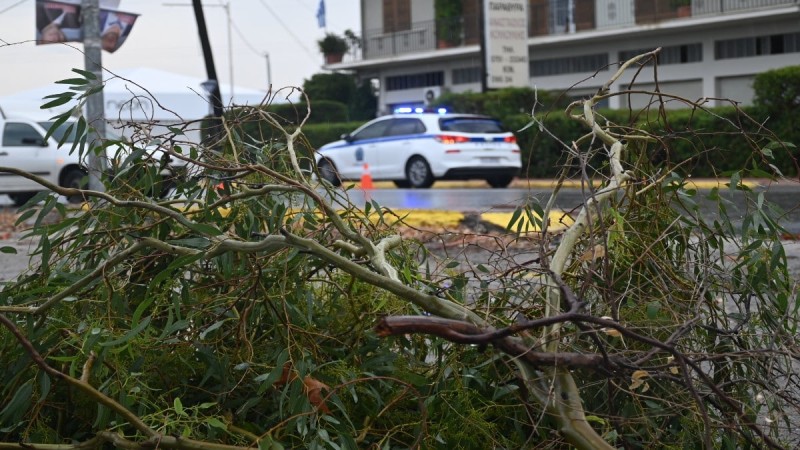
[{"x": 414, "y": 150}]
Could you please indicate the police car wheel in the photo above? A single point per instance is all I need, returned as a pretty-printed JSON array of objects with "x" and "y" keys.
[
  {"x": 20, "y": 198},
  {"x": 328, "y": 173},
  {"x": 418, "y": 173},
  {"x": 500, "y": 181}
]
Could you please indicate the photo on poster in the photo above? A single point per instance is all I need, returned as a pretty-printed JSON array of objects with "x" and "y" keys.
[{"x": 60, "y": 21}]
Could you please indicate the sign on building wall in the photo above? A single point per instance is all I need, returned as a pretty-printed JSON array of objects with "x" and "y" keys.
[{"x": 506, "y": 43}]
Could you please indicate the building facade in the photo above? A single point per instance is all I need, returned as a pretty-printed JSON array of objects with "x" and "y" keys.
[{"x": 710, "y": 49}]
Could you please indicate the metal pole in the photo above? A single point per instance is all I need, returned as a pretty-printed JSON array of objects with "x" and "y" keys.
[
  {"x": 227, "y": 6},
  {"x": 482, "y": 28},
  {"x": 95, "y": 114},
  {"x": 211, "y": 71},
  {"x": 269, "y": 72}
]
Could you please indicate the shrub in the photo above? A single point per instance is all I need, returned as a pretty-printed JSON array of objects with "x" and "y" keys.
[
  {"x": 778, "y": 91},
  {"x": 343, "y": 88},
  {"x": 777, "y": 104},
  {"x": 322, "y": 111},
  {"x": 500, "y": 103}
]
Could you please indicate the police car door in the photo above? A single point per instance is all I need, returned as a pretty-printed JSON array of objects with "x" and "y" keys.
[
  {"x": 363, "y": 149},
  {"x": 403, "y": 139}
]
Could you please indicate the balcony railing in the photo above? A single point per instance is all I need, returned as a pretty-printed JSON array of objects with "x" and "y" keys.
[
  {"x": 422, "y": 36},
  {"x": 552, "y": 17}
]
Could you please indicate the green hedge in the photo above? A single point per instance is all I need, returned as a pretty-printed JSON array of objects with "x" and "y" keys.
[
  {"x": 323, "y": 126},
  {"x": 501, "y": 103},
  {"x": 707, "y": 144},
  {"x": 543, "y": 151},
  {"x": 321, "y": 134},
  {"x": 322, "y": 111}
]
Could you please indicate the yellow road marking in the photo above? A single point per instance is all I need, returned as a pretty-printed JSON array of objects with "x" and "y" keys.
[{"x": 558, "y": 221}]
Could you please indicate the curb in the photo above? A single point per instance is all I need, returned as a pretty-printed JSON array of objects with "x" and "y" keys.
[{"x": 550, "y": 184}]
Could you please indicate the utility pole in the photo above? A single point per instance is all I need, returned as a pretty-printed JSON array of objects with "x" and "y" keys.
[
  {"x": 211, "y": 71},
  {"x": 269, "y": 72},
  {"x": 95, "y": 111}
]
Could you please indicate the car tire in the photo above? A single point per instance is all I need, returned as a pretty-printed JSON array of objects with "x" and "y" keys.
[
  {"x": 327, "y": 172},
  {"x": 418, "y": 173},
  {"x": 499, "y": 182},
  {"x": 74, "y": 178},
  {"x": 20, "y": 198},
  {"x": 402, "y": 184}
]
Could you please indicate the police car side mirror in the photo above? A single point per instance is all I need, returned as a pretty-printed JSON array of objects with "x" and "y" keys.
[{"x": 347, "y": 137}]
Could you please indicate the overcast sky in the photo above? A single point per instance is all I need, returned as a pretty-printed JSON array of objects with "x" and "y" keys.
[{"x": 165, "y": 37}]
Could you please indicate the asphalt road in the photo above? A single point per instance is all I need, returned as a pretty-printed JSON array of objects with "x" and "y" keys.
[
  {"x": 472, "y": 200},
  {"x": 477, "y": 199}
]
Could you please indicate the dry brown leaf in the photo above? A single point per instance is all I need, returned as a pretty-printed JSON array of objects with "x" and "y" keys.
[
  {"x": 637, "y": 379},
  {"x": 597, "y": 252},
  {"x": 314, "y": 389}
]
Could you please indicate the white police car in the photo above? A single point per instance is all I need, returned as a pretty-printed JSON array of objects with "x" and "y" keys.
[{"x": 414, "y": 150}]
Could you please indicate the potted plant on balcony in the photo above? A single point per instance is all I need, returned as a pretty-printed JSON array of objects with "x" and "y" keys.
[
  {"x": 333, "y": 47},
  {"x": 449, "y": 22}
]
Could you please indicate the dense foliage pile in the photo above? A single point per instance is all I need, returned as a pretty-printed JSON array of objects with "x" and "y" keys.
[{"x": 254, "y": 307}]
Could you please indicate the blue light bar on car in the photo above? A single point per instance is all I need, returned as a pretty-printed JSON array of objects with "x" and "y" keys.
[{"x": 418, "y": 110}]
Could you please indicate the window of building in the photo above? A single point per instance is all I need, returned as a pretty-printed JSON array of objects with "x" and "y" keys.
[
  {"x": 396, "y": 15},
  {"x": 467, "y": 75},
  {"x": 559, "y": 17},
  {"x": 774, "y": 44},
  {"x": 417, "y": 80},
  {"x": 569, "y": 64},
  {"x": 673, "y": 54}
]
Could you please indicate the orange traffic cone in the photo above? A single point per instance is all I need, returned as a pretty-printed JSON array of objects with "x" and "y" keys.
[{"x": 366, "y": 178}]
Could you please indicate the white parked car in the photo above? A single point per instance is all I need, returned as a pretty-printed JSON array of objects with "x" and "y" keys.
[
  {"x": 414, "y": 150},
  {"x": 23, "y": 146}
]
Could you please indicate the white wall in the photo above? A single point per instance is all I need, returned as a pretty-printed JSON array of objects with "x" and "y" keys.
[
  {"x": 709, "y": 78},
  {"x": 739, "y": 89}
]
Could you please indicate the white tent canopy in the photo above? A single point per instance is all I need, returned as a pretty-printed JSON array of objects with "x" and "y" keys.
[{"x": 141, "y": 94}]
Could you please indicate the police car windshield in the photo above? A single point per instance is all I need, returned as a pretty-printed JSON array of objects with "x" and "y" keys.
[{"x": 471, "y": 125}]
